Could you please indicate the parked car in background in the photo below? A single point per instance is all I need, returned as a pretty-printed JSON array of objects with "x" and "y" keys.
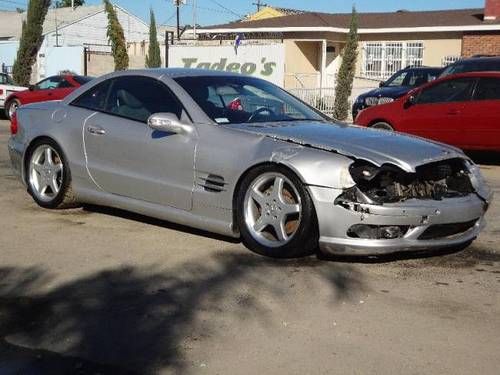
[
  {"x": 7, "y": 87},
  {"x": 473, "y": 64},
  {"x": 152, "y": 141},
  {"x": 52, "y": 88},
  {"x": 462, "y": 110},
  {"x": 396, "y": 86}
]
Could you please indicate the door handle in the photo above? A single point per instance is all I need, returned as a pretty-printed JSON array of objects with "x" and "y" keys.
[
  {"x": 96, "y": 130},
  {"x": 453, "y": 112}
]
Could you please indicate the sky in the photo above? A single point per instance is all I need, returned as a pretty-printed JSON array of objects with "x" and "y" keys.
[{"x": 222, "y": 11}]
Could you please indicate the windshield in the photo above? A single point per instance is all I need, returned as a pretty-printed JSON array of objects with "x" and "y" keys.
[
  {"x": 412, "y": 78},
  {"x": 237, "y": 100}
]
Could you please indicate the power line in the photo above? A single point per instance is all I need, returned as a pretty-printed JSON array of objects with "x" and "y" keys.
[{"x": 229, "y": 10}]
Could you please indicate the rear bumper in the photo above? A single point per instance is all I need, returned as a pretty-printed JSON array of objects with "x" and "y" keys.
[
  {"x": 417, "y": 215},
  {"x": 16, "y": 150}
]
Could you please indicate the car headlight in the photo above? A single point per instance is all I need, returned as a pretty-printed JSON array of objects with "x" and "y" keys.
[
  {"x": 385, "y": 100},
  {"x": 359, "y": 100}
]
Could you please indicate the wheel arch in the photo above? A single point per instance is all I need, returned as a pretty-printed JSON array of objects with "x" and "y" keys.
[
  {"x": 380, "y": 119},
  {"x": 245, "y": 173}
]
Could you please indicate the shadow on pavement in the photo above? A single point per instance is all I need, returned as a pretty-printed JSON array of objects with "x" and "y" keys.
[{"x": 137, "y": 320}]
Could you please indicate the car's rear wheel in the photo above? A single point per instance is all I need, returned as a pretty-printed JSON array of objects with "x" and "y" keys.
[
  {"x": 11, "y": 107},
  {"x": 275, "y": 213},
  {"x": 48, "y": 176},
  {"x": 383, "y": 126}
]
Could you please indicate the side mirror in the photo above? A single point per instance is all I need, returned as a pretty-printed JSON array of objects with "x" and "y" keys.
[
  {"x": 411, "y": 100},
  {"x": 31, "y": 87},
  {"x": 381, "y": 84},
  {"x": 169, "y": 123}
]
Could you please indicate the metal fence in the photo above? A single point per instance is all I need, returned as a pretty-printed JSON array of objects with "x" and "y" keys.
[
  {"x": 7, "y": 69},
  {"x": 324, "y": 99}
]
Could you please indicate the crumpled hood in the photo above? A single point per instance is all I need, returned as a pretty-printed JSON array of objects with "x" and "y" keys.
[{"x": 376, "y": 146}]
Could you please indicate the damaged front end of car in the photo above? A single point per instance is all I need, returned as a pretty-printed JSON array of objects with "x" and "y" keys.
[{"x": 387, "y": 209}]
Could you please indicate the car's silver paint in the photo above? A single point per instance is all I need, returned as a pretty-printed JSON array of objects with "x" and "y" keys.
[{"x": 133, "y": 179}]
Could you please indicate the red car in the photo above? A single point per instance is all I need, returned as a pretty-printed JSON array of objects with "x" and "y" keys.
[
  {"x": 52, "y": 88},
  {"x": 462, "y": 110}
]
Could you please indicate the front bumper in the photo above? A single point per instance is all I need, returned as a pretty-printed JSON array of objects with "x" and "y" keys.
[{"x": 419, "y": 215}]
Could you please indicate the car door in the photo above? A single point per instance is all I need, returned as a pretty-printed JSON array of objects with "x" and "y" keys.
[
  {"x": 482, "y": 116},
  {"x": 437, "y": 111},
  {"x": 127, "y": 158}
]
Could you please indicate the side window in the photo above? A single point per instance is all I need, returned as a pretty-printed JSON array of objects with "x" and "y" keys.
[
  {"x": 488, "y": 89},
  {"x": 49, "y": 83},
  {"x": 457, "y": 90},
  {"x": 63, "y": 84},
  {"x": 137, "y": 98},
  {"x": 95, "y": 98}
]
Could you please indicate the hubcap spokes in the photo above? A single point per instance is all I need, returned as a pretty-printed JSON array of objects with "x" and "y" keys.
[
  {"x": 272, "y": 209},
  {"x": 46, "y": 173}
]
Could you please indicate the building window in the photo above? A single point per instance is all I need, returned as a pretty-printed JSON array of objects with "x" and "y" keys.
[
  {"x": 383, "y": 59},
  {"x": 448, "y": 60}
]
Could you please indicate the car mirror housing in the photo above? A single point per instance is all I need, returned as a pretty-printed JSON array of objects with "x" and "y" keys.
[
  {"x": 169, "y": 123},
  {"x": 31, "y": 87},
  {"x": 381, "y": 84},
  {"x": 410, "y": 101}
]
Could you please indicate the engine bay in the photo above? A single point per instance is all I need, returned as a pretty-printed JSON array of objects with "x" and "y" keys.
[{"x": 390, "y": 184}]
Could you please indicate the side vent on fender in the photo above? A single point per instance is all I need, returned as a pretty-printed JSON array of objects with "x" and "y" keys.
[{"x": 212, "y": 183}]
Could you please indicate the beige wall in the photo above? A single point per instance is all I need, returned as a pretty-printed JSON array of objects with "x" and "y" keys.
[
  {"x": 436, "y": 49},
  {"x": 301, "y": 63}
]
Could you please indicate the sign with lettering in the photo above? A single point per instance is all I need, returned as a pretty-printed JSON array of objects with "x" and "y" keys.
[{"x": 265, "y": 61}]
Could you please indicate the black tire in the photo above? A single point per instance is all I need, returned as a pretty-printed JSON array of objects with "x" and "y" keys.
[
  {"x": 382, "y": 125},
  {"x": 304, "y": 240},
  {"x": 65, "y": 198},
  {"x": 9, "y": 104}
]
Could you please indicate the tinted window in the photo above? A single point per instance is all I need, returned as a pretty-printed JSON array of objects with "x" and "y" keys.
[
  {"x": 64, "y": 84},
  {"x": 488, "y": 89},
  {"x": 455, "y": 90},
  {"x": 137, "y": 98},
  {"x": 82, "y": 79},
  {"x": 95, "y": 98},
  {"x": 479, "y": 65}
]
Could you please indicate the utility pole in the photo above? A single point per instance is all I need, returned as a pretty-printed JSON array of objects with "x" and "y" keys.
[
  {"x": 259, "y": 4},
  {"x": 194, "y": 19},
  {"x": 178, "y": 4}
]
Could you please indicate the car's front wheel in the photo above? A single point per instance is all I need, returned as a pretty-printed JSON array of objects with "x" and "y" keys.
[
  {"x": 48, "y": 176},
  {"x": 275, "y": 213},
  {"x": 11, "y": 107}
]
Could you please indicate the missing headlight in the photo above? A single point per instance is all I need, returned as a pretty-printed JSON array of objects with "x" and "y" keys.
[{"x": 390, "y": 184}]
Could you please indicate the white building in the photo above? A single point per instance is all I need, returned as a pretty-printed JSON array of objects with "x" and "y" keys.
[{"x": 66, "y": 32}]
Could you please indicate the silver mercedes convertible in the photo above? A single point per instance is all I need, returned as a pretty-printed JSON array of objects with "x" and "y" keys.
[{"x": 239, "y": 156}]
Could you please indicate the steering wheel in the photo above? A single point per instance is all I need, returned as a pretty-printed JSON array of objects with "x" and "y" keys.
[{"x": 259, "y": 111}]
